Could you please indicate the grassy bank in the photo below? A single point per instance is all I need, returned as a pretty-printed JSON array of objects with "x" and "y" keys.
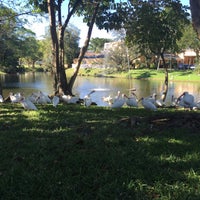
[
  {"x": 179, "y": 75},
  {"x": 73, "y": 152}
]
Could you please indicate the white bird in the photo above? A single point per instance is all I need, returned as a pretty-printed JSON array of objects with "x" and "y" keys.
[
  {"x": 186, "y": 100},
  {"x": 173, "y": 102},
  {"x": 15, "y": 98},
  {"x": 158, "y": 102},
  {"x": 87, "y": 99},
  {"x": 27, "y": 104},
  {"x": 148, "y": 104},
  {"x": 152, "y": 98},
  {"x": 107, "y": 99},
  {"x": 70, "y": 99},
  {"x": 118, "y": 101},
  {"x": 131, "y": 100},
  {"x": 43, "y": 98},
  {"x": 55, "y": 101},
  {"x": 1, "y": 99},
  {"x": 33, "y": 97},
  {"x": 110, "y": 100}
]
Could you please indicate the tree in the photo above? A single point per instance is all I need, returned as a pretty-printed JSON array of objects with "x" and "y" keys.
[
  {"x": 155, "y": 27},
  {"x": 44, "y": 47},
  {"x": 12, "y": 39},
  {"x": 90, "y": 10},
  {"x": 97, "y": 44},
  {"x": 189, "y": 40},
  {"x": 195, "y": 11},
  {"x": 30, "y": 51},
  {"x": 116, "y": 56},
  {"x": 71, "y": 42}
]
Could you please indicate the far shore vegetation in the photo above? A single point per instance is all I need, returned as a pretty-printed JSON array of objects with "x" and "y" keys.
[{"x": 151, "y": 74}]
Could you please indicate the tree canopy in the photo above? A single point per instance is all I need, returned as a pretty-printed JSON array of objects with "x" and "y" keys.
[{"x": 97, "y": 44}]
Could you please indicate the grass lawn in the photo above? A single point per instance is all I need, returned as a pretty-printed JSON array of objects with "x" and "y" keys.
[
  {"x": 174, "y": 75},
  {"x": 73, "y": 152}
]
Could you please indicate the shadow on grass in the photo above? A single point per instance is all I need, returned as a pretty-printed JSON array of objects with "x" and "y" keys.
[
  {"x": 185, "y": 72},
  {"x": 144, "y": 75},
  {"x": 73, "y": 152}
]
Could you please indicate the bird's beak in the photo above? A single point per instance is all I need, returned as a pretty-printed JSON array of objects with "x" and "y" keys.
[
  {"x": 139, "y": 100},
  {"x": 91, "y": 92},
  {"x": 132, "y": 89},
  {"x": 178, "y": 99},
  {"x": 126, "y": 96}
]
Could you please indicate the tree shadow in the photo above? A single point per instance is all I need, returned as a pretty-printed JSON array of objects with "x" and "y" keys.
[
  {"x": 144, "y": 75},
  {"x": 74, "y": 152}
]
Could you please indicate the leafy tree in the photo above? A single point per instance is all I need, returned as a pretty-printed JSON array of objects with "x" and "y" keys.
[
  {"x": 11, "y": 39},
  {"x": 90, "y": 10},
  {"x": 120, "y": 57},
  {"x": 155, "y": 28},
  {"x": 195, "y": 11},
  {"x": 189, "y": 40},
  {"x": 117, "y": 56},
  {"x": 71, "y": 42},
  {"x": 97, "y": 44},
  {"x": 30, "y": 50},
  {"x": 44, "y": 46}
]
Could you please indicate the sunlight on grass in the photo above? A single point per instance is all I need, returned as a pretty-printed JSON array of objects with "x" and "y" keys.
[
  {"x": 147, "y": 139},
  {"x": 31, "y": 115},
  {"x": 73, "y": 152},
  {"x": 175, "y": 141},
  {"x": 192, "y": 175},
  {"x": 171, "y": 158}
]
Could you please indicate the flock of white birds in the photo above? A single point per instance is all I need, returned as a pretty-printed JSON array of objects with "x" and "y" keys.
[
  {"x": 31, "y": 102},
  {"x": 185, "y": 100}
]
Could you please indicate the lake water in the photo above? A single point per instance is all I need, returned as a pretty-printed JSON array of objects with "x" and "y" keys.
[{"x": 32, "y": 82}]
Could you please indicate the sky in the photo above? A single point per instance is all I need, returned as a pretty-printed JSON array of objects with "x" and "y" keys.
[{"x": 39, "y": 28}]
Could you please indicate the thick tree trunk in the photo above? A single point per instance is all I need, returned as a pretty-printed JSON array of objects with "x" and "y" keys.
[
  {"x": 84, "y": 48},
  {"x": 166, "y": 82},
  {"x": 60, "y": 78},
  {"x": 62, "y": 75},
  {"x": 1, "y": 89},
  {"x": 195, "y": 11},
  {"x": 54, "y": 39}
]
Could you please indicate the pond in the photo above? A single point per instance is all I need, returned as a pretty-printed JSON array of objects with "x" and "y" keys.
[{"x": 32, "y": 82}]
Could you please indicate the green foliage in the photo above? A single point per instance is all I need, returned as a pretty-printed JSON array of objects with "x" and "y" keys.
[
  {"x": 71, "y": 44},
  {"x": 117, "y": 57},
  {"x": 73, "y": 152},
  {"x": 8, "y": 39},
  {"x": 45, "y": 48},
  {"x": 189, "y": 40},
  {"x": 30, "y": 51},
  {"x": 97, "y": 44},
  {"x": 16, "y": 42},
  {"x": 155, "y": 27}
]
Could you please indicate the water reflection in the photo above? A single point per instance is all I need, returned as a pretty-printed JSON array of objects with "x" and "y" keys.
[{"x": 31, "y": 82}]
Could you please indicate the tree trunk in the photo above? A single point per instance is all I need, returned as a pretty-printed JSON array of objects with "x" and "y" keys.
[
  {"x": 55, "y": 49},
  {"x": 60, "y": 78},
  {"x": 84, "y": 48},
  {"x": 33, "y": 64},
  {"x": 166, "y": 77},
  {"x": 195, "y": 11},
  {"x": 1, "y": 89}
]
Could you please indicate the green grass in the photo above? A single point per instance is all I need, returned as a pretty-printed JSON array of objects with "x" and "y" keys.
[
  {"x": 179, "y": 75},
  {"x": 73, "y": 152}
]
